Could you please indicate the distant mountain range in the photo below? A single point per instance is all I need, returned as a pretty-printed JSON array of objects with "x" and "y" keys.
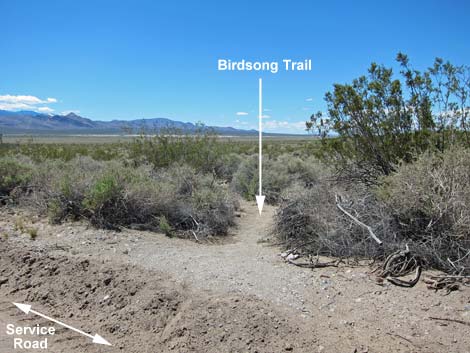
[{"x": 30, "y": 122}]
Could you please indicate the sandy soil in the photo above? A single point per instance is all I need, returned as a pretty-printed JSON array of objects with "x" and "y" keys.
[{"x": 145, "y": 292}]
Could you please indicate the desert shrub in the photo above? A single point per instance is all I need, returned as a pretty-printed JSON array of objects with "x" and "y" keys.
[
  {"x": 429, "y": 201},
  {"x": 278, "y": 174},
  {"x": 175, "y": 200},
  {"x": 382, "y": 119},
  {"x": 422, "y": 205},
  {"x": 196, "y": 202},
  {"x": 105, "y": 203},
  {"x": 228, "y": 165},
  {"x": 14, "y": 173},
  {"x": 60, "y": 187},
  {"x": 165, "y": 227},
  {"x": 245, "y": 179},
  {"x": 201, "y": 150},
  {"x": 308, "y": 219}
]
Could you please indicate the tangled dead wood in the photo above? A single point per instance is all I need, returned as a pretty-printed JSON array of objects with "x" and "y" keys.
[
  {"x": 449, "y": 283},
  {"x": 399, "y": 264}
]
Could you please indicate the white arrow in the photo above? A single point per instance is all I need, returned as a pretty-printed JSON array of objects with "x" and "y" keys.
[
  {"x": 96, "y": 338},
  {"x": 260, "y": 198}
]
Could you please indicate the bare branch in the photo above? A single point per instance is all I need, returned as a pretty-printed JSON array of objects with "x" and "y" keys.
[{"x": 369, "y": 229}]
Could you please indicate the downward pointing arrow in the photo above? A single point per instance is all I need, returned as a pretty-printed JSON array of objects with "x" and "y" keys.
[
  {"x": 260, "y": 198},
  {"x": 26, "y": 308},
  {"x": 260, "y": 202}
]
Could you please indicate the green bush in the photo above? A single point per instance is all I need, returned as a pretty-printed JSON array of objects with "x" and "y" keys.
[
  {"x": 105, "y": 204},
  {"x": 62, "y": 186},
  {"x": 113, "y": 194},
  {"x": 202, "y": 150},
  {"x": 278, "y": 174},
  {"x": 165, "y": 227},
  {"x": 245, "y": 179},
  {"x": 228, "y": 165},
  {"x": 382, "y": 118},
  {"x": 14, "y": 174}
]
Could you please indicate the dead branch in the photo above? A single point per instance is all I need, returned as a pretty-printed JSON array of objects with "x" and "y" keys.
[
  {"x": 397, "y": 335},
  {"x": 406, "y": 284},
  {"x": 450, "y": 320},
  {"x": 355, "y": 220},
  {"x": 449, "y": 283},
  {"x": 314, "y": 264}
]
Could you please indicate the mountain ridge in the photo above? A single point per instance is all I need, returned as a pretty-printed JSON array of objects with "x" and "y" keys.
[{"x": 30, "y": 121}]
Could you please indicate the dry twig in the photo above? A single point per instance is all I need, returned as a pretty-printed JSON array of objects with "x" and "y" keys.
[
  {"x": 450, "y": 320},
  {"x": 315, "y": 264},
  {"x": 369, "y": 229}
]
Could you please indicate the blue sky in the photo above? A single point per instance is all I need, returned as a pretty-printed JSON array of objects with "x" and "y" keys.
[{"x": 142, "y": 59}]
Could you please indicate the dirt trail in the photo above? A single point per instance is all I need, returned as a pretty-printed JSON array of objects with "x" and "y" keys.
[
  {"x": 244, "y": 286},
  {"x": 246, "y": 266}
]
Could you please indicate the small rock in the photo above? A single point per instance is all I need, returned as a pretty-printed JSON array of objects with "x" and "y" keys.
[
  {"x": 3, "y": 280},
  {"x": 288, "y": 347}
]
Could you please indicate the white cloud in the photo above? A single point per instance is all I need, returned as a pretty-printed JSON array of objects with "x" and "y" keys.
[
  {"x": 25, "y": 102},
  {"x": 45, "y": 110},
  {"x": 20, "y": 99},
  {"x": 308, "y": 99},
  {"x": 13, "y": 106},
  {"x": 241, "y": 113},
  {"x": 265, "y": 116},
  {"x": 8, "y": 98},
  {"x": 285, "y": 126},
  {"x": 267, "y": 110}
]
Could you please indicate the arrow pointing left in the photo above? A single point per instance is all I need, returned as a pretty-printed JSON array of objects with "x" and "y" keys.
[{"x": 26, "y": 308}]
